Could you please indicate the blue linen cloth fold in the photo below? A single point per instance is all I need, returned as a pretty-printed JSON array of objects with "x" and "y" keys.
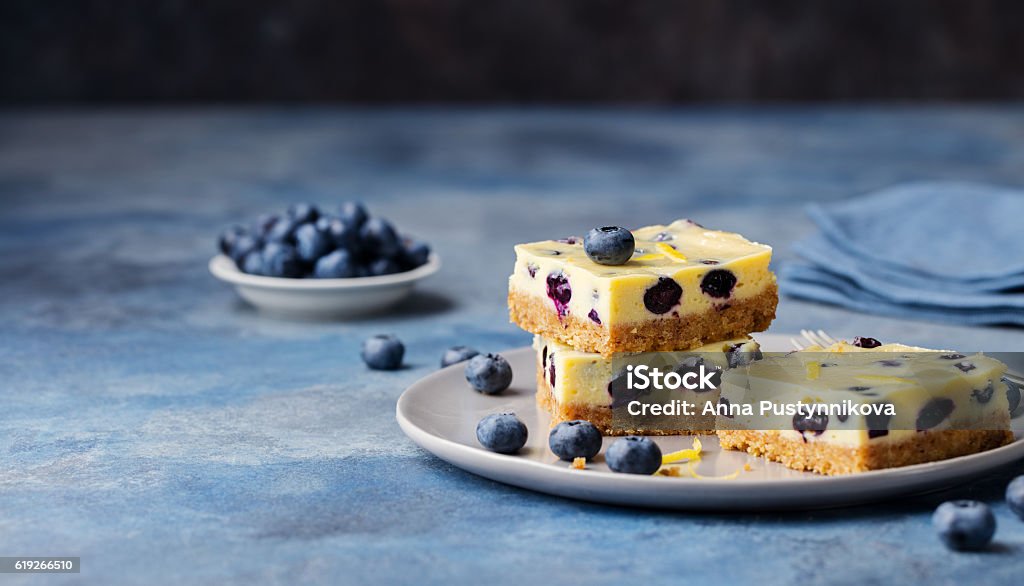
[{"x": 941, "y": 251}]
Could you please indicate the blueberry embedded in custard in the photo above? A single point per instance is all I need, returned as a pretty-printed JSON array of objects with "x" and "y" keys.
[
  {"x": 965, "y": 366},
  {"x": 559, "y": 292},
  {"x": 984, "y": 395},
  {"x": 718, "y": 283},
  {"x": 815, "y": 423},
  {"x": 934, "y": 413},
  {"x": 662, "y": 296}
]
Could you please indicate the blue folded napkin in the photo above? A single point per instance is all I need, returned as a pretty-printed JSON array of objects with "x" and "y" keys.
[{"x": 941, "y": 251}]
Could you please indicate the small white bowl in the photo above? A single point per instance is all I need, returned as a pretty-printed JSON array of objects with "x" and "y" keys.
[{"x": 321, "y": 297}]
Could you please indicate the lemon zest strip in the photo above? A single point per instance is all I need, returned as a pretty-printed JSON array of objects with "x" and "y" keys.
[
  {"x": 670, "y": 252},
  {"x": 644, "y": 257},
  {"x": 688, "y": 454}
]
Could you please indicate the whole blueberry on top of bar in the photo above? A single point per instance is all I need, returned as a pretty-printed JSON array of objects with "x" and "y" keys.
[
  {"x": 609, "y": 245},
  {"x": 864, "y": 342}
]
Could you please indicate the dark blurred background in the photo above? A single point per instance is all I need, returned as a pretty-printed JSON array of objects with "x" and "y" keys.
[{"x": 552, "y": 51}]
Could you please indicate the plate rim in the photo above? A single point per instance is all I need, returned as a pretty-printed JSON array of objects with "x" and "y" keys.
[
  {"x": 224, "y": 269},
  {"x": 989, "y": 459}
]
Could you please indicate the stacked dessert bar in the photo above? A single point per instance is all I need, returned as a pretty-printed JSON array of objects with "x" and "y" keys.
[
  {"x": 685, "y": 288},
  {"x": 944, "y": 404}
]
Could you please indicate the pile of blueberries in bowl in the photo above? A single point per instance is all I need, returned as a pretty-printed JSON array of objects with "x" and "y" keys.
[{"x": 308, "y": 242}]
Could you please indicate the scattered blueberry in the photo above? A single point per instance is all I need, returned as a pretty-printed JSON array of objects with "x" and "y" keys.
[
  {"x": 488, "y": 373},
  {"x": 303, "y": 213},
  {"x": 663, "y": 237},
  {"x": 379, "y": 238},
  {"x": 634, "y": 455},
  {"x": 934, "y": 412},
  {"x": 816, "y": 423},
  {"x": 551, "y": 371},
  {"x": 1012, "y": 394},
  {"x": 383, "y": 352},
  {"x": 575, "y": 439},
  {"x": 662, "y": 296},
  {"x": 559, "y": 292},
  {"x": 353, "y": 213},
  {"x": 1015, "y": 496},
  {"x": 709, "y": 261},
  {"x": 336, "y": 265},
  {"x": 457, "y": 354},
  {"x": 954, "y": 356},
  {"x": 501, "y": 432},
  {"x": 594, "y": 317},
  {"x": 384, "y": 266},
  {"x": 964, "y": 525},
  {"x": 532, "y": 269},
  {"x": 610, "y": 245},
  {"x": 226, "y": 242},
  {"x": 311, "y": 243},
  {"x": 718, "y": 283},
  {"x": 864, "y": 342},
  {"x": 569, "y": 240},
  {"x": 281, "y": 260}
]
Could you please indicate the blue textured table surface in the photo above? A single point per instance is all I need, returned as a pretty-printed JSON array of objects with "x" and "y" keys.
[{"x": 165, "y": 432}]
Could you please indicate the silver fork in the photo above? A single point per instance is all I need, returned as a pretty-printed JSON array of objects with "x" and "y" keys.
[{"x": 812, "y": 338}]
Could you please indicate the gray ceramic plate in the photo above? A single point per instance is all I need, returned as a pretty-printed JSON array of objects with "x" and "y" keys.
[{"x": 440, "y": 413}]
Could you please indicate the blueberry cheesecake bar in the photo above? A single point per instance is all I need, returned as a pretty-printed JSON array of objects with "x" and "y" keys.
[
  {"x": 572, "y": 384},
  {"x": 681, "y": 287},
  {"x": 868, "y": 406}
]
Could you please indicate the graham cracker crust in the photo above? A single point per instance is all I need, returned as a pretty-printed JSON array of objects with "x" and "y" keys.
[
  {"x": 600, "y": 416},
  {"x": 537, "y": 316},
  {"x": 926, "y": 446}
]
